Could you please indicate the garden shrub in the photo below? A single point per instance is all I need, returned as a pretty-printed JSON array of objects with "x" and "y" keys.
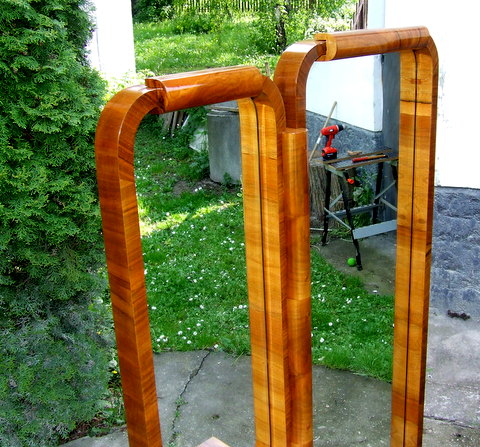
[
  {"x": 152, "y": 10},
  {"x": 55, "y": 336}
]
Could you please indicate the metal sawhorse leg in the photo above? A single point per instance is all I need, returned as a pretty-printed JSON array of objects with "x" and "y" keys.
[{"x": 339, "y": 167}]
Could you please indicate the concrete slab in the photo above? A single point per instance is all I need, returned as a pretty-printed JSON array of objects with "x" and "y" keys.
[
  {"x": 350, "y": 409},
  {"x": 453, "y": 370},
  {"x": 219, "y": 403},
  {"x": 203, "y": 394},
  {"x": 378, "y": 260},
  {"x": 116, "y": 439},
  {"x": 174, "y": 372},
  {"x": 447, "y": 434}
]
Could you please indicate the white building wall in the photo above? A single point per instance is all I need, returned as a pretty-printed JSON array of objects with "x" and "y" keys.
[
  {"x": 454, "y": 30},
  {"x": 112, "y": 49},
  {"x": 356, "y": 84}
]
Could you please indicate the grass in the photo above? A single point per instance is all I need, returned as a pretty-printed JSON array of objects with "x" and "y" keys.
[
  {"x": 160, "y": 50},
  {"x": 194, "y": 253},
  {"x": 193, "y": 239}
]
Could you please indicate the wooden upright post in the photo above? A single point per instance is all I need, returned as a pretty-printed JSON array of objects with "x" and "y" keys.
[
  {"x": 275, "y": 184},
  {"x": 418, "y": 85}
]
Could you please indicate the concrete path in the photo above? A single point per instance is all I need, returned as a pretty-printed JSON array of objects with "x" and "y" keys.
[{"x": 203, "y": 394}]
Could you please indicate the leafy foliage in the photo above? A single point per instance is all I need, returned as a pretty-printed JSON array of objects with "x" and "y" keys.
[
  {"x": 276, "y": 23},
  {"x": 152, "y": 10},
  {"x": 280, "y": 23},
  {"x": 53, "y": 354}
]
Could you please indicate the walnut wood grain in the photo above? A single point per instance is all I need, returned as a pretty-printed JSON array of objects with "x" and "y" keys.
[
  {"x": 114, "y": 157},
  {"x": 114, "y": 146},
  {"x": 345, "y": 44},
  {"x": 291, "y": 75},
  {"x": 263, "y": 124},
  {"x": 254, "y": 257},
  {"x": 419, "y": 78},
  {"x": 277, "y": 230},
  {"x": 271, "y": 123},
  {"x": 418, "y": 83},
  {"x": 203, "y": 87},
  {"x": 297, "y": 227}
]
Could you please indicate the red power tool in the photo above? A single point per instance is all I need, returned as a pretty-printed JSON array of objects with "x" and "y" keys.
[{"x": 329, "y": 152}]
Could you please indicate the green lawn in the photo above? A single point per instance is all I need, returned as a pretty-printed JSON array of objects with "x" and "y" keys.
[
  {"x": 193, "y": 240},
  {"x": 163, "y": 52}
]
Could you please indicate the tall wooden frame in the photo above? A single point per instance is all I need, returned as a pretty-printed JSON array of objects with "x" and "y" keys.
[
  {"x": 273, "y": 138},
  {"x": 418, "y": 110}
]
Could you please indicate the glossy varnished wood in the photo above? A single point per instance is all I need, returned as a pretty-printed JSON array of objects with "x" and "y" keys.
[
  {"x": 199, "y": 88},
  {"x": 291, "y": 78},
  {"x": 263, "y": 127},
  {"x": 346, "y": 44},
  {"x": 419, "y": 78},
  {"x": 271, "y": 124},
  {"x": 114, "y": 146},
  {"x": 275, "y": 182},
  {"x": 254, "y": 254},
  {"x": 417, "y": 142},
  {"x": 114, "y": 157},
  {"x": 297, "y": 228}
]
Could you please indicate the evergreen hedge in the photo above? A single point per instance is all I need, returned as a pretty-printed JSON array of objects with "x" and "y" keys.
[{"x": 54, "y": 330}]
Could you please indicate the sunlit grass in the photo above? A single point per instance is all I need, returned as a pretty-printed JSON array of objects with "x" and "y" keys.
[
  {"x": 194, "y": 254},
  {"x": 193, "y": 241},
  {"x": 162, "y": 52}
]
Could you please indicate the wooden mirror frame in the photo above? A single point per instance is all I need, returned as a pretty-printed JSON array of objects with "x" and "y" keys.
[
  {"x": 417, "y": 133},
  {"x": 275, "y": 183}
]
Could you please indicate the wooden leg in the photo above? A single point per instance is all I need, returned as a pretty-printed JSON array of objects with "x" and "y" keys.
[
  {"x": 415, "y": 210},
  {"x": 114, "y": 152},
  {"x": 295, "y": 168},
  {"x": 255, "y": 264}
]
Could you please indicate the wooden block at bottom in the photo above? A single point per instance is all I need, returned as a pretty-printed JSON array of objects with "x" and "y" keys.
[{"x": 213, "y": 442}]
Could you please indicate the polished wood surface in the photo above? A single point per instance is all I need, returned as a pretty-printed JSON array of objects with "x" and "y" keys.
[
  {"x": 114, "y": 146},
  {"x": 418, "y": 96},
  {"x": 297, "y": 227},
  {"x": 418, "y": 86},
  {"x": 367, "y": 42},
  {"x": 275, "y": 182},
  {"x": 291, "y": 78},
  {"x": 254, "y": 255},
  {"x": 203, "y": 87},
  {"x": 116, "y": 182}
]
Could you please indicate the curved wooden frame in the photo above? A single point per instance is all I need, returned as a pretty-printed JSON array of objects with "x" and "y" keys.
[
  {"x": 274, "y": 164},
  {"x": 263, "y": 134},
  {"x": 418, "y": 112}
]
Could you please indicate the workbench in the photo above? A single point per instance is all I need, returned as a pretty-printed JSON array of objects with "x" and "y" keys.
[{"x": 345, "y": 169}]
